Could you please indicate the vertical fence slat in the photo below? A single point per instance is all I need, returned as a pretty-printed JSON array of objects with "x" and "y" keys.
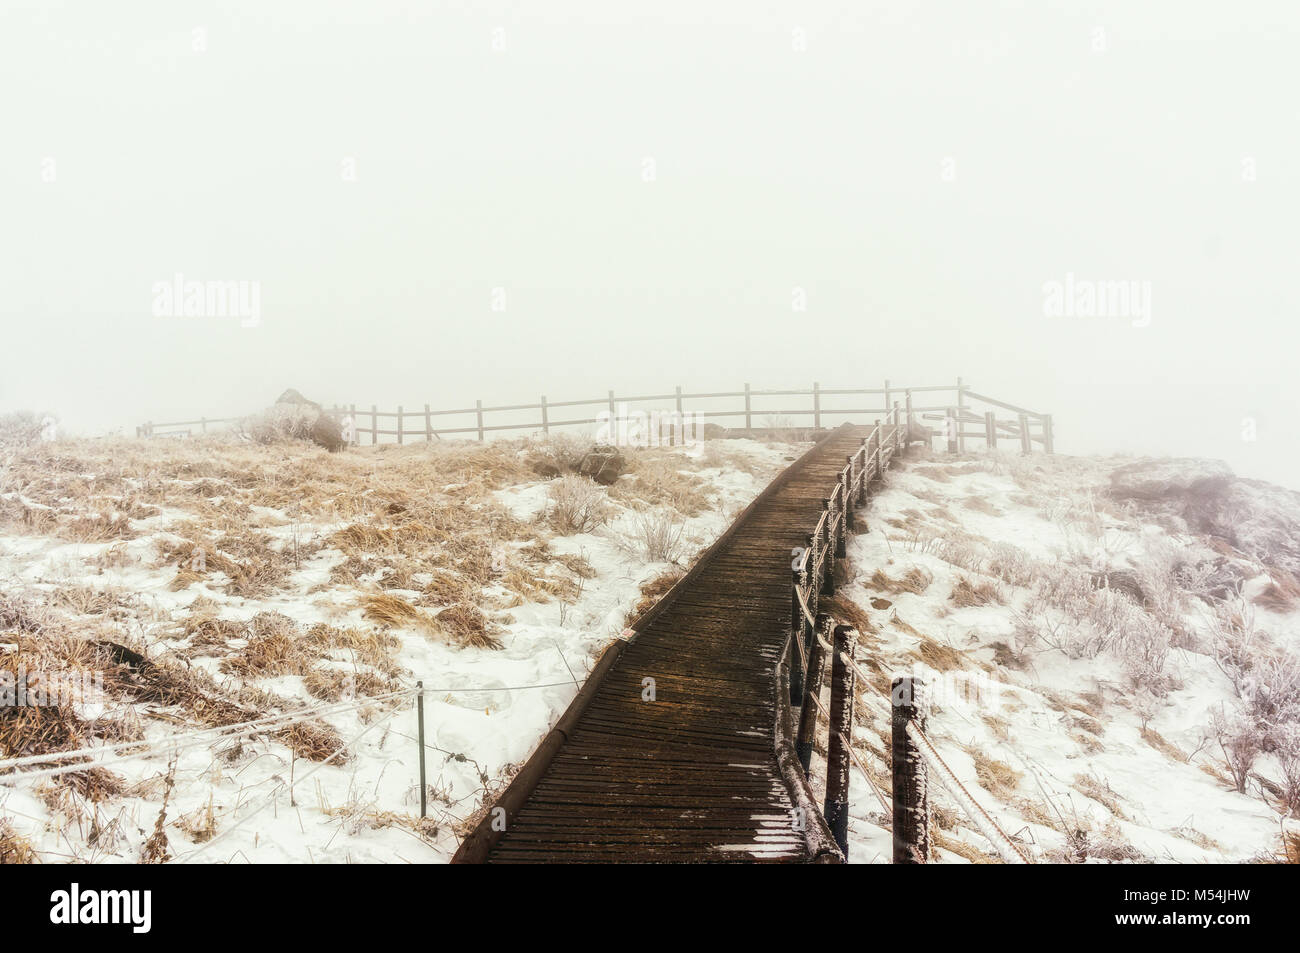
[
  {"x": 478, "y": 410},
  {"x": 399, "y": 423},
  {"x": 817, "y": 406},
  {"x": 813, "y": 680},
  {"x": 546, "y": 420},
  {"x": 836, "y": 809},
  {"x": 911, "y": 793},
  {"x": 428, "y": 425},
  {"x": 374, "y": 424}
]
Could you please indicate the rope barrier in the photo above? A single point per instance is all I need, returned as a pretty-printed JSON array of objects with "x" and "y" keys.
[
  {"x": 283, "y": 784},
  {"x": 108, "y": 755},
  {"x": 268, "y": 722}
]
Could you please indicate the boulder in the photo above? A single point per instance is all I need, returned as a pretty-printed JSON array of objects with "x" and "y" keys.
[
  {"x": 1168, "y": 479},
  {"x": 296, "y": 399},
  {"x": 603, "y": 463}
]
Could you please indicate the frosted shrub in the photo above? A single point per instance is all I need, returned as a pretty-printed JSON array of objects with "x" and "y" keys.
[
  {"x": 1285, "y": 741},
  {"x": 280, "y": 423},
  {"x": 1240, "y": 740},
  {"x": 577, "y": 504},
  {"x": 658, "y": 534}
]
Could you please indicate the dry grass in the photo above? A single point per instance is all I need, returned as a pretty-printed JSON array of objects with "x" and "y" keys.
[
  {"x": 1163, "y": 745},
  {"x": 652, "y": 590},
  {"x": 14, "y": 848},
  {"x": 1101, "y": 793},
  {"x": 962, "y": 849},
  {"x": 916, "y": 580},
  {"x": 1282, "y": 594},
  {"x": 394, "y": 612},
  {"x": 997, "y": 777},
  {"x": 967, "y": 593}
]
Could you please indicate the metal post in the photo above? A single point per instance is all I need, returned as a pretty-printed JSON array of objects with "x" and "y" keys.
[
  {"x": 817, "y": 406},
  {"x": 546, "y": 420},
  {"x": 478, "y": 410},
  {"x": 374, "y": 424},
  {"x": 428, "y": 425},
  {"x": 812, "y": 695},
  {"x": 400, "y": 425},
  {"x": 424, "y": 787},
  {"x": 836, "y": 809},
  {"x": 911, "y": 794}
]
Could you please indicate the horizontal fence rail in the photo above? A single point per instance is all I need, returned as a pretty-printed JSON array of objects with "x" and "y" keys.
[{"x": 944, "y": 410}]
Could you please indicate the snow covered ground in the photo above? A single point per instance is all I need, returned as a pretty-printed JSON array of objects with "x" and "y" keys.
[
  {"x": 1074, "y": 641},
  {"x": 550, "y": 602},
  {"x": 1079, "y": 756}
]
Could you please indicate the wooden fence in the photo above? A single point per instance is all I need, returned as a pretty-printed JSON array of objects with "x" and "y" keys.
[{"x": 955, "y": 411}]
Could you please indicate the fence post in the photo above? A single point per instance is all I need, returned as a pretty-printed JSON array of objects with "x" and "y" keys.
[
  {"x": 400, "y": 424},
  {"x": 356, "y": 439},
  {"x": 836, "y": 809},
  {"x": 812, "y": 695},
  {"x": 952, "y": 425},
  {"x": 908, "y": 394},
  {"x": 866, "y": 471},
  {"x": 828, "y": 560},
  {"x": 911, "y": 794},
  {"x": 990, "y": 430},
  {"x": 797, "y": 626},
  {"x": 817, "y": 406},
  {"x": 1025, "y": 446},
  {"x": 546, "y": 419},
  {"x": 961, "y": 413},
  {"x": 428, "y": 425},
  {"x": 478, "y": 410},
  {"x": 374, "y": 424},
  {"x": 1047, "y": 433},
  {"x": 148, "y": 428},
  {"x": 850, "y": 497},
  {"x": 842, "y": 520},
  {"x": 613, "y": 420},
  {"x": 899, "y": 443},
  {"x": 203, "y": 424},
  {"x": 424, "y": 787}
]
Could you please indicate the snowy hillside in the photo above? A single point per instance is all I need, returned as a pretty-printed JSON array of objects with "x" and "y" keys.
[
  {"x": 1111, "y": 643},
  {"x": 1107, "y": 673}
]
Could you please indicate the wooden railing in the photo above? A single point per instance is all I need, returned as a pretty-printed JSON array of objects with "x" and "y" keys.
[
  {"x": 949, "y": 406},
  {"x": 811, "y": 632}
]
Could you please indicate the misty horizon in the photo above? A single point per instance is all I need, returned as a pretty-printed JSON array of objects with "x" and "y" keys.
[{"x": 1073, "y": 209}]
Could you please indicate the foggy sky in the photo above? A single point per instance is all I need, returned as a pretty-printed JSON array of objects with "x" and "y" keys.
[{"x": 920, "y": 171}]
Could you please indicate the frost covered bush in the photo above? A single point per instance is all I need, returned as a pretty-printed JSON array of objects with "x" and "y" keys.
[
  {"x": 280, "y": 423},
  {"x": 577, "y": 504},
  {"x": 1240, "y": 741},
  {"x": 657, "y": 533},
  {"x": 1012, "y": 564},
  {"x": 20, "y": 429},
  {"x": 1286, "y": 749}
]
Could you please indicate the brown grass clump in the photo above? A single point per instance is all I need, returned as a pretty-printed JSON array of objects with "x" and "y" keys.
[
  {"x": 967, "y": 593},
  {"x": 1099, "y": 792},
  {"x": 14, "y": 848},
  {"x": 1282, "y": 594},
  {"x": 373, "y": 647},
  {"x": 466, "y": 623},
  {"x": 981, "y": 505},
  {"x": 395, "y": 612},
  {"x": 332, "y": 685},
  {"x": 275, "y": 647},
  {"x": 652, "y": 590},
  {"x": 849, "y": 613},
  {"x": 940, "y": 657},
  {"x": 657, "y": 480},
  {"x": 916, "y": 580},
  {"x": 996, "y": 777},
  {"x": 315, "y": 742},
  {"x": 962, "y": 849},
  {"x": 1163, "y": 745},
  {"x": 938, "y": 474}
]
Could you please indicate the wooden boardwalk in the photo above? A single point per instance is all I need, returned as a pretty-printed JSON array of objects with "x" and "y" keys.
[{"x": 703, "y": 772}]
